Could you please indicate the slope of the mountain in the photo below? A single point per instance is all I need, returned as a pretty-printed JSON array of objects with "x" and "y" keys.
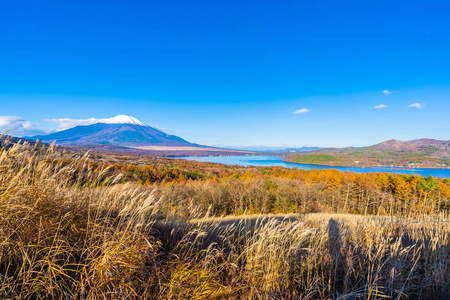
[
  {"x": 421, "y": 153},
  {"x": 118, "y": 131},
  {"x": 420, "y": 145}
]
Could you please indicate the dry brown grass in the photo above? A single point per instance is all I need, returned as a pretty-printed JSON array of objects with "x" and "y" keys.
[{"x": 69, "y": 233}]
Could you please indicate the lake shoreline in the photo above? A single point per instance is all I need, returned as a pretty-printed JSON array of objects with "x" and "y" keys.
[
  {"x": 316, "y": 164},
  {"x": 363, "y": 166},
  {"x": 273, "y": 161}
]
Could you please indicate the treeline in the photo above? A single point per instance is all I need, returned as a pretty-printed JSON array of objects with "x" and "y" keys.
[{"x": 222, "y": 189}]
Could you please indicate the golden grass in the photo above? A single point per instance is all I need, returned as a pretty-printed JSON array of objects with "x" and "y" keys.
[{"x": 69, "y": 233}]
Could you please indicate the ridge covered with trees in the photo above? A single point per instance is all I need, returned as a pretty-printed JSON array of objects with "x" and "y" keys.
[{"x": 422, "y": 153}]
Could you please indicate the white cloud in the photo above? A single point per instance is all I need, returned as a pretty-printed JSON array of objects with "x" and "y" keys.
[
  {"x": 381, "y": 106},
  {"x": 301, "y": 111},
  {"x": 416, "y": 105},
  {"x": 8, "y": 120},
  {"x": 66, "y": 123},
  {"x": 386, "y": 92},
  {"x": 17, "y": 126}
]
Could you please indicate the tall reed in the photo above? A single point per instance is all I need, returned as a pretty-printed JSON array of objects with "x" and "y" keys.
[{"x": 70, "y": 232}]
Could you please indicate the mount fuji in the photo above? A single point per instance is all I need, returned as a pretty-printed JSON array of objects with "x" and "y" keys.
[{"x": 121, "y": 130}]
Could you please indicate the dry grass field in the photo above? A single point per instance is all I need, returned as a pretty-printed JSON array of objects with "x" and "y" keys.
[{"x": 69, "y": 232}]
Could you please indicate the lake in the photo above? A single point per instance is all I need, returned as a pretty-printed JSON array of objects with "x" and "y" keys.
[{"x": 269, "y": 161}]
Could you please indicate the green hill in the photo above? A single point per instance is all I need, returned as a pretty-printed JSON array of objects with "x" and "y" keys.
[{"x": 423, "y": 153}]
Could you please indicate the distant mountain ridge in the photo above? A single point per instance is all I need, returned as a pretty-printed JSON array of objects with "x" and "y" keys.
[
  {"x": 420, "y": 153},
  {"x": 413, "y": 145},
  {"x": 121, "y": 131}
]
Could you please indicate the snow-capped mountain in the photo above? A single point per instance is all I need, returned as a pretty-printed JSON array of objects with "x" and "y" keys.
[
  {"x": 120, "y": 130},
  {"x": 121, "y": 119}
]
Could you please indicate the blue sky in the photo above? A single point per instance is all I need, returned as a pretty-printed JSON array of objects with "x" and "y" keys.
[{"x": 231, "y": 73}]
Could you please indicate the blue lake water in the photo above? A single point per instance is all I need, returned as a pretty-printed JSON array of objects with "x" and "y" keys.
[{"x": 269, "y": 161}]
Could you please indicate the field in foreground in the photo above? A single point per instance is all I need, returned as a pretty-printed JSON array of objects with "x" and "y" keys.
[{"x": 71, "y": 232}]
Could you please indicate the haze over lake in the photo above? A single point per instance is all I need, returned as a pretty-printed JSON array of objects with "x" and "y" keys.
[{"x": 269, "y": 161}]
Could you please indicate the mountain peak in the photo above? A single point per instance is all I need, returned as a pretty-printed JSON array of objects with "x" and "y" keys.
[
  {"x": 121, "y": 130},
  {"x": 122, "y": 119}
]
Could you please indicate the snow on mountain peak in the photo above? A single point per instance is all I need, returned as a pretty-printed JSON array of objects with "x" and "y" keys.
[
  {"x": 122, "y": 119},
  {"x": 66, "y": 123}
]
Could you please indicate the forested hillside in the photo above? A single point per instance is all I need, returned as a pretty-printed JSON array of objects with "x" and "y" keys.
[{"x": 423, "y": 153}]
